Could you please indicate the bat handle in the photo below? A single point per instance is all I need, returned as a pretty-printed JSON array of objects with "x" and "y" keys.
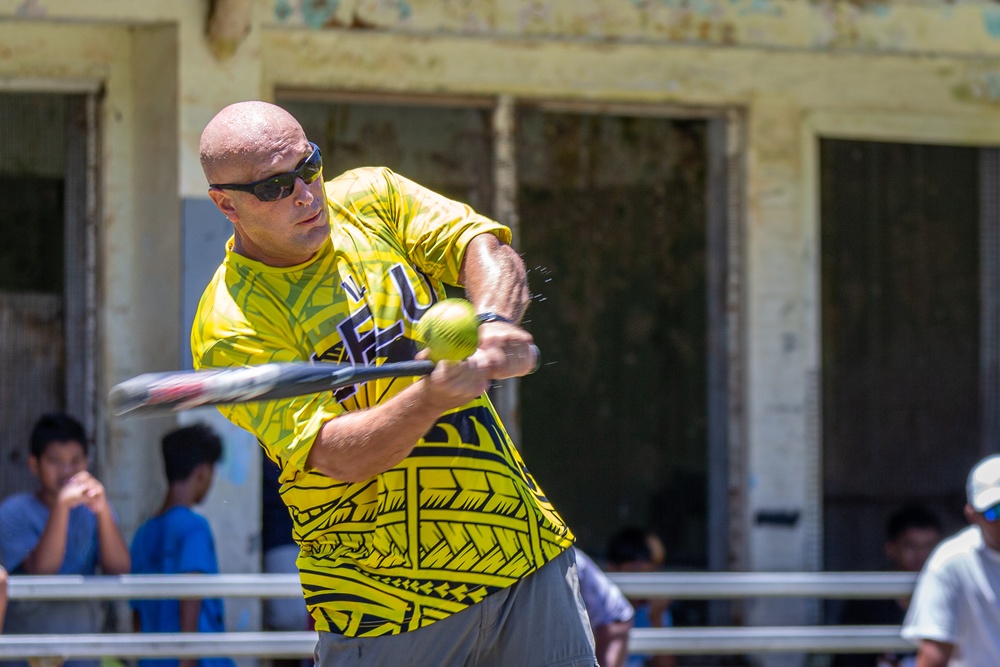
[{"x": 537, "y": 356}]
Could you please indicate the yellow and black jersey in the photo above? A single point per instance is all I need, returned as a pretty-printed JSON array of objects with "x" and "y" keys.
[{"x": 461, "y": 516}]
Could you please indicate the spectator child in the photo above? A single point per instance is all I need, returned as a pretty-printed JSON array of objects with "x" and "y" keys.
[
  {"x": 911, "y": 533},
  {"x": 179, "y": 541},
  {"x": 65, "y": 526},
  {"x": 636, "y": 550}
]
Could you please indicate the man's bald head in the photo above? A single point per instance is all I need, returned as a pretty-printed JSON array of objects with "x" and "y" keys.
[{"x": 242, "y": 135}]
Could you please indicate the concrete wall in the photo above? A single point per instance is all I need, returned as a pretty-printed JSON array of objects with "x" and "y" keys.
[
  {"x": 153, "y": 73},
  {"x": 916, "y": 71}
]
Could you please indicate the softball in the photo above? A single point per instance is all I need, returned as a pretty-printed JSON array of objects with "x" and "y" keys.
[{"x": 450, "y": 330}]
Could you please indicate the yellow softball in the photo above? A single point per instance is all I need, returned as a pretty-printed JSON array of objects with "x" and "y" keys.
[{"x": 450, "y": 330}]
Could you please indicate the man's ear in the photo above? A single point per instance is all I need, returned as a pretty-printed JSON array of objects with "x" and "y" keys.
[
  {"x": 203, "y": 471},
  {"x": 33, "y": 464},
  {"x": 970, "y": 514},
  {"x": 225, "y": 203}
]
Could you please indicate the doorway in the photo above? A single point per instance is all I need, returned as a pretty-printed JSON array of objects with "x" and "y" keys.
[
  {"x": 613, "y": 227},
  {"x": 47, "y": 219},
  {"x": 909, "y": 345}
]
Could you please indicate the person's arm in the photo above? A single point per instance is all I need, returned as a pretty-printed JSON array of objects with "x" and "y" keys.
[
  {"x": 189, "y": 610},
  {"x": 611, "y": 615},
  {"x": 934, "y": 616},
  {"x": 3, "y": 595},
  {"x": 495, "y": 278},
  {"x": 611, "y": 642},
  {"x": 49, "y": 552},
  {"x": 663, "y": 661},
  {"x": 114, "y": 553},
  {"x": 933, "y": 653},
  {"x": 496, "y": 282},
  {"x": 659, "y": 617},
  {"x": 359, "y": 445}
]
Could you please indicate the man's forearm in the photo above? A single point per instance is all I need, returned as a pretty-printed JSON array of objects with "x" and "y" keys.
[
  {"x": 495, "y": 278},
  {"x": 359, "y": 445}
]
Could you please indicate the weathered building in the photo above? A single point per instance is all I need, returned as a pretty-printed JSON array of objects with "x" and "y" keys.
[{"x": 763, "y": 237}]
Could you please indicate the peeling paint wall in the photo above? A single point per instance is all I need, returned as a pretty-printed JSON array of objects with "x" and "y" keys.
[
  {"x": 970, "y": 28},
  {"x": 908, "y": 71},
  {"x": 153, "y": 72}
]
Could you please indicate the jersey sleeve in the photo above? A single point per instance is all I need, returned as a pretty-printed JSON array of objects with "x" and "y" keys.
[
  {"x": 222, "y": 339},
  {"x": 934, "y": 609},
  {"x": 286, "y": 427},
  {"x": 431, "y": 229}
]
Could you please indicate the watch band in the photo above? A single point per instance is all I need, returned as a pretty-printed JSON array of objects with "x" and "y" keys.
[{"x": 490, "y": 316}]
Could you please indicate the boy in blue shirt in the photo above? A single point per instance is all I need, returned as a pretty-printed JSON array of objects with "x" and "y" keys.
[
  {"x": 179, "y": 541},
  {"x": 65, "y": 526}
]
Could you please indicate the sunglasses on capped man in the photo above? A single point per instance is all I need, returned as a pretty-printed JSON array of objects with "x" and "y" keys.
[
  {"x": 278, "y": 187},
  {"x": 992, "y": 514}
]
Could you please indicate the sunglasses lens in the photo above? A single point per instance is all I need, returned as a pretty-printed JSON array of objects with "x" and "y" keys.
[
  {"x": 992, "y": 513},
  {"x": 276, "y": 188},
  {"x": 312, "y": 167},
  {"x": 311, "y": 173},
  {"x": 283, "y": 185}
]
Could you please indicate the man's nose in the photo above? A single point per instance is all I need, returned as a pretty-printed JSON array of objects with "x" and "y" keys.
[{"x": 302, "y": 193}]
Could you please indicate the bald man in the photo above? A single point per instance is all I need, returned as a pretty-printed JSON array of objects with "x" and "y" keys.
[{"x": 422, "y": 535}]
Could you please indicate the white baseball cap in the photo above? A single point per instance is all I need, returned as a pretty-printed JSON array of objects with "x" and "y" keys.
[{"x": 984, "y": 484}]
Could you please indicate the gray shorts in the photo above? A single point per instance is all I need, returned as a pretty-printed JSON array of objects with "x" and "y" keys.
[{"x": 538, "y": 622}]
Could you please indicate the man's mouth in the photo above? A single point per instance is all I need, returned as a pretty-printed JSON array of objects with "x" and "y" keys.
[{"x": 312, "y": 219}]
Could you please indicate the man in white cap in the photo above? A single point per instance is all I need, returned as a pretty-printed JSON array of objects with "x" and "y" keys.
[{"x": 955, "y": 613}]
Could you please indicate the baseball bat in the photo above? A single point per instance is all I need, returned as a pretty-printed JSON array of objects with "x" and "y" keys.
[{"x": 152, "y": 393}]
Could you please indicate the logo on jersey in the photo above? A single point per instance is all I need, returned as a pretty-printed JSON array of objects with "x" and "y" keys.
[{"x": 362, "y": 341}]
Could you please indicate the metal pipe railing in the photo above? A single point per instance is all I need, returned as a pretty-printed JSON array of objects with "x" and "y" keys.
[
  {"x": 731, "y": 585},
  {"x": 671, "y": 585},
  {"x": 669, "y": 641},
  {"x": 160, "y": 645},
  {"x": 154, "y": 586}
]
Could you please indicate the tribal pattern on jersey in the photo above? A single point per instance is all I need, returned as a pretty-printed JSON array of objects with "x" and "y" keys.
[{"x": 461, "y": 517}]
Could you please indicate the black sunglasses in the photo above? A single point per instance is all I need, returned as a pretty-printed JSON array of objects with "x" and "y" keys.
[{"x": 282, "y": 185}]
